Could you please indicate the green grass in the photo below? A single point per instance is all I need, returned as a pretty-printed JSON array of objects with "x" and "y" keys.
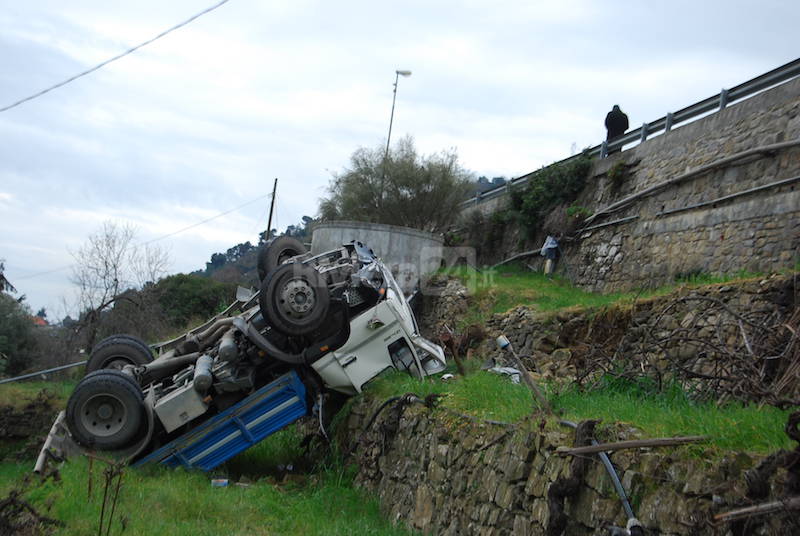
[
  {"x": 503, "y": 288},
  {"x": 672, "y": 413},
  {"x": 704, "y": 278},
  {"x": 18, "y": 394},
  {"x": 667, "y": 414},
  {"x": 177, "y": 502},
  {"x": 482, "y": 394}
]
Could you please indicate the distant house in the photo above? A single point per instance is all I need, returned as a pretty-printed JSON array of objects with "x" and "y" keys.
[{"x": 39, "y": 321}]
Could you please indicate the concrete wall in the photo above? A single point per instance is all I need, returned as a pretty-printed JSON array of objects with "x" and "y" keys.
[
  {"x": 758, "y": 231},
  {"x": 409, "y": 253}
]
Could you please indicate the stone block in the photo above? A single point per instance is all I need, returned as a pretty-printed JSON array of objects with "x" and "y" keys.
[{"x": 423, "y": 508}]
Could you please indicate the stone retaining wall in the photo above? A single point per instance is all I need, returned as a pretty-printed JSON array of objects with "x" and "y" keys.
[
  {"x": 665, "y": 236},
  {"x": 445, "y": 474},
  {"x": 562, "y": 344}
]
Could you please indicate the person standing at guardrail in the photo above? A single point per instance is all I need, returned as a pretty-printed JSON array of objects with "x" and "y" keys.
[{"x": 616, "y": 125}]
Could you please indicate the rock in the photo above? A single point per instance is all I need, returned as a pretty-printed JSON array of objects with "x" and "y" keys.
[
  {"x": 561, "y": 355},
  {"x": 423, "y": 507}
]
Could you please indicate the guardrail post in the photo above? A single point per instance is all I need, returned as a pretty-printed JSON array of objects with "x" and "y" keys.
[
  {"x": 644, "y": 133},
  {"x": 723, "y": 98},
  {"x": 604, "y": 149},
  {"x": 668, "y": 123}
]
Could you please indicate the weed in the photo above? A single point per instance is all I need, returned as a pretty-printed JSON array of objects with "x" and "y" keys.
[
  {"x": 617, "y": 174},
  {"x": 578, "y": 212}
]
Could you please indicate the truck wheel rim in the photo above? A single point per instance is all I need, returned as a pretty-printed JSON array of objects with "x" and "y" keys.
[
  {"x": 103, "y": 415},
  {"x": 297, "y": 298}
]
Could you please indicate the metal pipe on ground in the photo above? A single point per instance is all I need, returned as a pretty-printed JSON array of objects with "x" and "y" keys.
[{"x": 634, "y": 527}]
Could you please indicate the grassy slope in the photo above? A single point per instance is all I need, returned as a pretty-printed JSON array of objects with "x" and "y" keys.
[
  {"x": 489, "y": 396},
  {"x": 180, "y": 502},
  {"x": 18, "y": 394},
  {"x": 733, "y": 426},
  {"x": 498, "y": 290},
  {"x": 177, "y": 502}
]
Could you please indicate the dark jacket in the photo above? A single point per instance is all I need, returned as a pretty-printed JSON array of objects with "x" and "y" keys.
[{"x": 616, "y": 123}]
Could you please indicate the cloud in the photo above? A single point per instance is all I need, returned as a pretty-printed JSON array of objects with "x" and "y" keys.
[{"x": 204, "y": 119}]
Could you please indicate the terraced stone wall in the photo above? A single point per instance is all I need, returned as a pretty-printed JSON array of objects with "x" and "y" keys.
[{"x": 447, "y": 474}]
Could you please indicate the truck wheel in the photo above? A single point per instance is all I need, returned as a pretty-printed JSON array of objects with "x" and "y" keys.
[
  {"x": 105, "y": 411},
  {"x": 124, "y": 337},
  {"x": 276, "y": 252},
  {"x": 116, "y": 353},
  {"x": 294, "y": 299},
  {"x": 119, "y": 374}
]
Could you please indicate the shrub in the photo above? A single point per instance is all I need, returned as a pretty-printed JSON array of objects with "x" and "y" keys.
[
  {"x": 547, "y": 188},
  {"x": 17, "y": 342},
  {"x": 184, "y": 297}
]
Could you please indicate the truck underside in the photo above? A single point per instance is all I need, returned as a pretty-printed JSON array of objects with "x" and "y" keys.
[{"x": 318, "y": 329}]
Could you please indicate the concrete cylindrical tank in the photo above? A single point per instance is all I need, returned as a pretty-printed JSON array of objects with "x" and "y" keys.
[{"x": 409, "y": 253}]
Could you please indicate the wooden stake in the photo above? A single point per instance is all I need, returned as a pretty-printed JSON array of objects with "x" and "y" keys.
[
  {"x": 632, "y": 444},
  {"x": 792, "y": 503}
]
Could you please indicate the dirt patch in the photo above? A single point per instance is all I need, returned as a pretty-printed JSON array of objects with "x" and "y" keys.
[{"x": 24, "y": 428}]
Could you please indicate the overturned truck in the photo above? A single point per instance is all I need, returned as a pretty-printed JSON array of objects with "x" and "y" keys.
[{"x": 317, "y": 330}]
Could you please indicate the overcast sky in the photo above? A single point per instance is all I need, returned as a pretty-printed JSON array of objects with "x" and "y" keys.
[{"x": 201, "y": 121}]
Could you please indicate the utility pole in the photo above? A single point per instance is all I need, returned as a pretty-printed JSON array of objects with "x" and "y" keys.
[{"x": 271, "y": 208}]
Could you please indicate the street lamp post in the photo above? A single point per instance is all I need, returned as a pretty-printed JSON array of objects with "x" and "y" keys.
[
  {"x": 394, "y": 98},
  {"x": 397, "y": 75}
]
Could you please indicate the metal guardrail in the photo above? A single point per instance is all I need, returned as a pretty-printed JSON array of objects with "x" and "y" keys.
[
  {"x": 42, "y": 372},
  {"x": 719, "y": 101}
]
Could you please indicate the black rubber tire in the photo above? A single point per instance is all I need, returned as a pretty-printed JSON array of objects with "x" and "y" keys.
[
  {"x": 105, "y": 411},
  {"x": 124, "y": 337},
  {"x": 276, "y": 252},
  {"x": 118, "y": 373},
  {"x": 116, "y": 353},
  {"x": 271, "y": 299}
]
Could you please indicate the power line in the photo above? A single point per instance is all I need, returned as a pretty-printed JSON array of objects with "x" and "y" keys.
[
  {"x": 115, "y": 58},
  {"x": 192, "y": 226}
]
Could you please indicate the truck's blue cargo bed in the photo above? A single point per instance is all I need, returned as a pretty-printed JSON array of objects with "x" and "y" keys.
[{"x": 238, "y": 428}]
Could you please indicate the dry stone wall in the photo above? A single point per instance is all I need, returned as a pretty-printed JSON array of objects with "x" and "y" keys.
[
  {"x": 446, "y": 474},
  {"x": 757, "y": 232},
  {"x": 441, "y": 472},
  {"x": 694, "y": 327}
]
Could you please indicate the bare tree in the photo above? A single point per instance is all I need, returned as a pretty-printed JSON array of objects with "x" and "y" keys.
[{"x": 107, "y": 265}]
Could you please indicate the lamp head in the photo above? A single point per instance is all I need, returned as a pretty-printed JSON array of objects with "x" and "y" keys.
[{"x": 403, "y": 72}]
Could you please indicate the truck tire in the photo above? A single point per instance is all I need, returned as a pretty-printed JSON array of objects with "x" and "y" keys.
[
  {"x": 273, "y": 254},
  {"x": 115, "y": 353},
  {"x": 124, "y": 337},
  {"x": 119, "y": 374},
  {"x": 105, "y": 411},
  {"x": 294, "y": 299}
]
